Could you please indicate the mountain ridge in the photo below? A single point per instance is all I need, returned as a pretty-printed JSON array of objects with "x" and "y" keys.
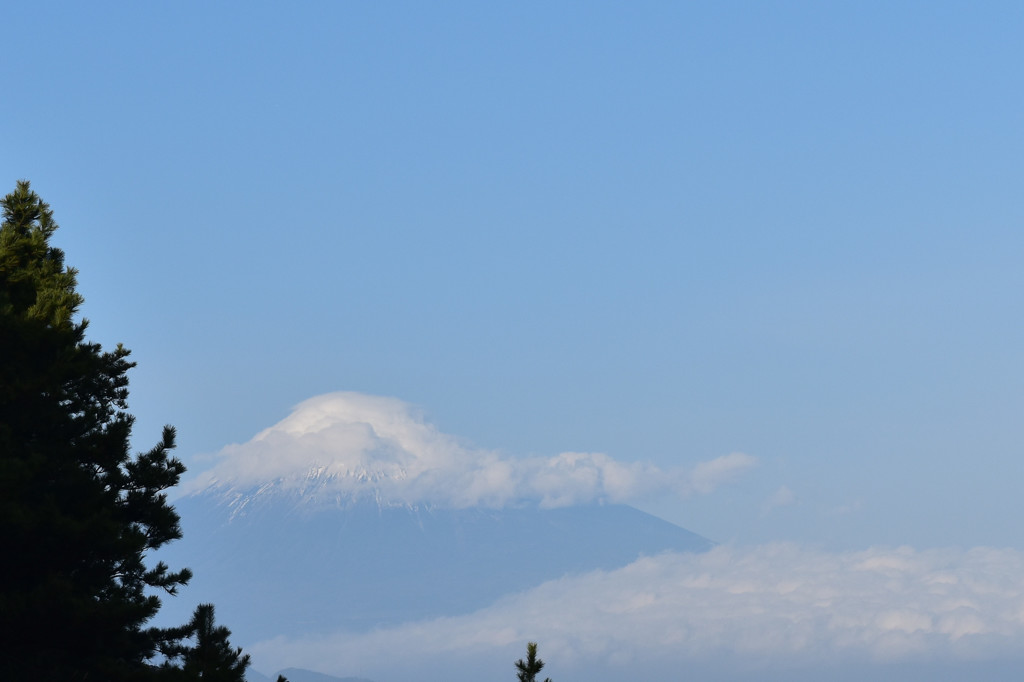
[{"x": 299, "y": 675}]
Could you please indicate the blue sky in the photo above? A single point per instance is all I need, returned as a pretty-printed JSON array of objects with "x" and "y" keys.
[{"x": 667, "y": 232}]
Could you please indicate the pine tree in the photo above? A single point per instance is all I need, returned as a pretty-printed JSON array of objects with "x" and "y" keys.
[
  {"x": 531, "y": 667},
  {"x": 78, "y": 512},
  {"x": 211, "y": 658}
]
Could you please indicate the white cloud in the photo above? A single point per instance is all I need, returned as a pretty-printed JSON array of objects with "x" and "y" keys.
[
  {"x": 782, "y": 497},
  {"x": 709, "y": 475},
  {"x": 355, "y": 445},
  {"x": 777, "y": 604}
]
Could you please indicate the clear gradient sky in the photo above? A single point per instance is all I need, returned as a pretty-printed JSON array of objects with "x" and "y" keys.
[{"x": 667, "y": 232}]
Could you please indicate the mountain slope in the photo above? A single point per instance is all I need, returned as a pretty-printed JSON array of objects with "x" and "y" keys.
[{"x": 284, "y": 568}]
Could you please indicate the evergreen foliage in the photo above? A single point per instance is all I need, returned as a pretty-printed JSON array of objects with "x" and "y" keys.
[
  {"x": 531, "y": 667},
  {"x": 211, "y": 658},
  {"x": 78, "y": 512}
]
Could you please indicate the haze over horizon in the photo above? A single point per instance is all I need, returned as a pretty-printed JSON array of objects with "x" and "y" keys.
[{"x": 753, "y": 269}]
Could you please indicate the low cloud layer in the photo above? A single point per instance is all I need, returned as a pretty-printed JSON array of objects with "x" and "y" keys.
[
  {"x": 357, "y": 445},
  {"x": 776, "y": 605}
]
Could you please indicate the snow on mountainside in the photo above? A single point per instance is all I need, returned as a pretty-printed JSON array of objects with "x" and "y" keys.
[{"x": 342, "y": 447}]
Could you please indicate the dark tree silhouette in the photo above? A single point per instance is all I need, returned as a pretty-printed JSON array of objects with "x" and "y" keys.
[
  {"x": 78, "y": 512},
  {"x": 529, "y": 669},
  {"x": 210, "y": 658}
]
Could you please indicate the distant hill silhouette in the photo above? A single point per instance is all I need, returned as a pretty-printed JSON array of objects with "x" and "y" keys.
[{"x": 299, "y": 675}]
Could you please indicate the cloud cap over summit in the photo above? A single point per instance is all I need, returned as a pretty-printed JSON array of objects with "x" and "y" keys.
[{"x": 354, "y": 446}]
